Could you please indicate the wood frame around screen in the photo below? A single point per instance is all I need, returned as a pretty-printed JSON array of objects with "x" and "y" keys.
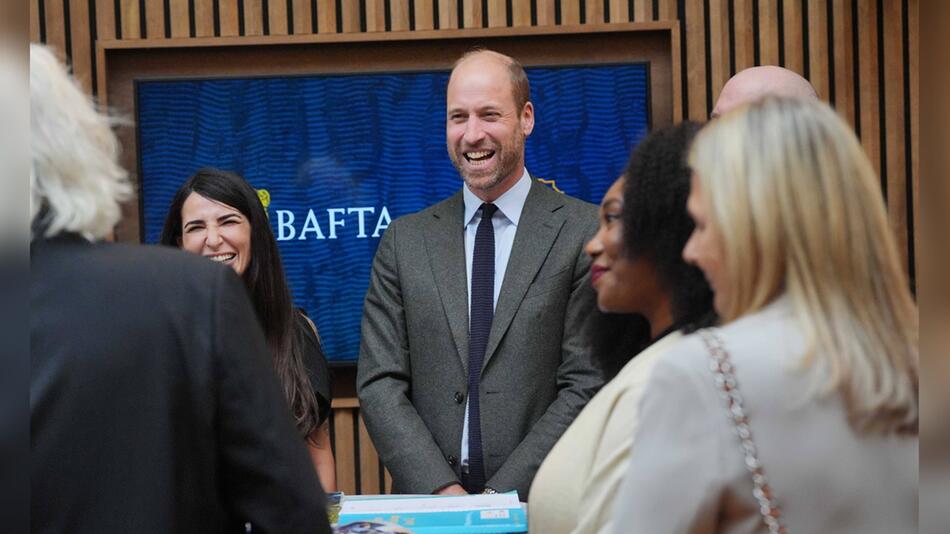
[{"x": 121, "y": 63}]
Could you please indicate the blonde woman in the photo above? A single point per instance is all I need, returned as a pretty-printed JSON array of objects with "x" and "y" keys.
[{"x": 819, "y": 328}]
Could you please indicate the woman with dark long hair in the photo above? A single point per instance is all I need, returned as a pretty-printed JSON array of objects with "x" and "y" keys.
[
  {"x": 648, "y": 298},
  {"x": 217, "y": 214}
]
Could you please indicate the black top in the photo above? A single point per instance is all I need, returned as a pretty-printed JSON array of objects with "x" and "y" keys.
[
  {"x": 316, "y": 363},
  {"x": 153, "y": 404}
]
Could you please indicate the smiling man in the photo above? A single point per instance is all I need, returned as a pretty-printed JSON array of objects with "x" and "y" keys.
[{"x": 473, "y": 359}]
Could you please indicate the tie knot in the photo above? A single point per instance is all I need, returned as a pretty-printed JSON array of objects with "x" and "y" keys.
[{"x": 488, "y": 210}]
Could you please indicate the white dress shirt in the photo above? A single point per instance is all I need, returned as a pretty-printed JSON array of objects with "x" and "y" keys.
[{"x": 505, "y": 224}]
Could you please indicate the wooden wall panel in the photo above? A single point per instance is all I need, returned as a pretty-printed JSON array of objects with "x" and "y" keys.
[{"x": 866, "y": 50}]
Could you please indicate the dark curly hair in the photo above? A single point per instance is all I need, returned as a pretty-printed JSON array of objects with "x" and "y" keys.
[{"x": 656, "y": 224}]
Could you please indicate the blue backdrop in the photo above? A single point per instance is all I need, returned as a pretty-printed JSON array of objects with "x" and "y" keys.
[{"x": 343, "y": 155}]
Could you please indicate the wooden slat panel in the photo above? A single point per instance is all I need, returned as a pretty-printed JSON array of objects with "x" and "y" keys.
[
  {"x": 375, "y": 15},
  {"x": 81, "y": 40},
  {"x": 818, "y": 47},
  {"x": 497, "y": 14},
  {"x": 521, "y": 13},
  {"x": 253, "y": 17},
  {"x": 370, "y": 484},
  {"x": 913, "y": 30},
  {"x": 344, "y": 450},
  {"x": 868, "y": 73},
  {"x": 619, "y": 11},
  {"x": 667, "y": 10},
  {"x": 570, "y": 11},
  {"x": 718, "y": 45},
  {"x": 545, "y": 12},
  {"x": 350, "y": 16},
  {"x": 204, "y": 18},
  {"x": 326, "y": 16},
  {"x": 448, "y": 14},
  {"x": 131, "y": 28},
  {"x": 399, "y": 15},
  {"x": 642, "y": 10},
  {"x": 696, "y": 62},
  {"x": 155, "y": 19},
  {"x": 745, "y": 43},
  {"x": 594, "y": 12},
  {"x": 894, "y": 123},
  {"x": 794, "y": 40},
  {"x": 178, "y": 13},
  {"x": 303, "y": 17},
  {"x": 277, "y": 17},
  {"x": 34, "y": 21},
  {"x": 472, "y": 13},
  {"x": 105, "y": 20},
  {"x": 677, "y": 73},
  {"x": 424, "y": 14},
  {"x": 228, "y": 18},
  {"x": 56, "y": 26},
  {"x": 768, "y": 32},
  {"x": 844, "y": 60}
]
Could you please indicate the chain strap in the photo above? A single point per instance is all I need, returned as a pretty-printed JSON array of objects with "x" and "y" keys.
[{"x": 728, "y": 386}]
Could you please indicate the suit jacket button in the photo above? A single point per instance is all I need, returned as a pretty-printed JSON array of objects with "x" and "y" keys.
[
  {"x": 453, "y": 460},
  {"x": 459, "y": 398}
]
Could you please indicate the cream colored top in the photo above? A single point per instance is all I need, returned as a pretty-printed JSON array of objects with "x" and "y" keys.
[{"x": 574, "y": 488}]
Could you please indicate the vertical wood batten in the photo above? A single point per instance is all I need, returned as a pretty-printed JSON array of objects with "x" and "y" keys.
[
  {"x": 896, "y": 170},
  {"x": 472, "y": 13},
  {"x": 154, "y": 19},
  {"x": 105, "y": 20},
  {"x": 424, "y": 14},
  {"x": 344, "y": 451},
  {"x": 497, "y": 13},
  {"x": 619, "y": 11},
  {"x": 369, "y": 464},
  {"x": 204, "y": 18},
  {"x": 448, "y": 14},
  {"x": 594, "y": 12},
  {"x": 81, "y": 43},
  {"x": 34, "y": 21},
  {"x": 745, "y": 39},
  {"x": 844, "y": 60},
  {"x": 696, "y": 62},
  {"x": 326, "y": 16},
  {"x": 131, "y": 22},
  {"x": 642, "y": 10},
  {"x": 303, "y": 17},
  {"x": 667, "y": 10},
  {"x": 521, "y": 13},
  {"x": 913, "y": 34},
  {"x": 350, "y": 16},
  {"x": 179, "y": 17},
  {"x": 375, "y": 16},
  {"x": 794, "y": 39},
  {"x": 228, "y": 18},
  {"x": 768, "y": 32},
  {"x": 570, "y": 11},
  {"x": 253, "y": 17},
  {"x": 546, "y": 12},
  {"x": 868, "y": 74},
  {"x": 56, "y": 26},
  {"x": 718, "y": 45},
  {"x": 277, "y": 17},
  {"x": 399, "y": 15},
  {"x": 818, "y": 48}
]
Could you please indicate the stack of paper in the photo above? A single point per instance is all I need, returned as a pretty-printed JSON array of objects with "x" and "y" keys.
[{"x": 436, "y": 514}]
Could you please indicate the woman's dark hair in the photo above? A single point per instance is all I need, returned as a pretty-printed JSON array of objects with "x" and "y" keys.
[
  {"x": 656, "y": 224},
  {"x": 264, "y": 280}
]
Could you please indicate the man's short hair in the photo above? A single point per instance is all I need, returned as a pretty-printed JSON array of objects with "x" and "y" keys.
[{"x": 520, "y": 91}]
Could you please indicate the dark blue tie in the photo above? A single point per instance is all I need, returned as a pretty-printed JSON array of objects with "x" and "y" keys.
[{"x": 483, "y": 297}]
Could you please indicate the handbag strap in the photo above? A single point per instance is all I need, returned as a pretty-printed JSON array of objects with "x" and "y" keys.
[{"x": 721, "y": 366}]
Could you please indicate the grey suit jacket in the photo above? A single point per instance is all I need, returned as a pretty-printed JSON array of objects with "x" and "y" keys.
[{"x": 413, "y": 361}]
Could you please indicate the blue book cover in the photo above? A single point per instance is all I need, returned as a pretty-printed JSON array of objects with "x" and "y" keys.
[{"x": 433, "y": 514}]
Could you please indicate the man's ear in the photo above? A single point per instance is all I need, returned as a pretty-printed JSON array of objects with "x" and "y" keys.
[{"x": 527, "y": 119}]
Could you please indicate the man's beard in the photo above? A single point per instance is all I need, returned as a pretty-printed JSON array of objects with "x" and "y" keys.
[{"x": 509, "y": 155}]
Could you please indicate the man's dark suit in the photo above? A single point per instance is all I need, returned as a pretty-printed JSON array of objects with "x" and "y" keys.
[
  {"x": 154, "y": 406},
  {"x": 413, "y": 364}
]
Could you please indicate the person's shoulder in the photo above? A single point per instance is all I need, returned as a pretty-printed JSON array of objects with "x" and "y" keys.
[
  {"x": 572, "y": 207},
  {"x": 448, "y": 207}
]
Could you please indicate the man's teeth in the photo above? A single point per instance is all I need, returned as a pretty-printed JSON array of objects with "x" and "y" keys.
[
  {"x": 221, "y": 257},
  {"x": 476, "y": 156}
]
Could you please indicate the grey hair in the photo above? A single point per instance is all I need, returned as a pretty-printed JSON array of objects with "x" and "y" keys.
[{"x": 76, "y": 183}]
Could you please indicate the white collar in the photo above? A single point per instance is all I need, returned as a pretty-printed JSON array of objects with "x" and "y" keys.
[{"x": 510, "y": 203}]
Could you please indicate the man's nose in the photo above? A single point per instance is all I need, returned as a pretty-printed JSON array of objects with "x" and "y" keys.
[{"x": 474, "y": 132}]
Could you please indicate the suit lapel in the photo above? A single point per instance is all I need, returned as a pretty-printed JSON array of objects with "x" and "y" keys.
[
  {"x": 537, "y": 229},
  {"x": 445, "y": 246}
]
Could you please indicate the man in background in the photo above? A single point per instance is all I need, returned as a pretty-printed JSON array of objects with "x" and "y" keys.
[
  {"x": 473, "y": 360},
  {"x": 753, "y": 83},
  {"x": 153, "y": 403}
]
